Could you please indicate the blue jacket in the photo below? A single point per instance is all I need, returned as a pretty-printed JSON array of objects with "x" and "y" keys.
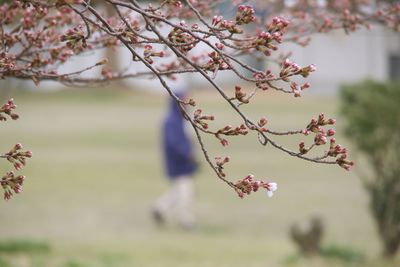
[{"x": 177, "y": 148}]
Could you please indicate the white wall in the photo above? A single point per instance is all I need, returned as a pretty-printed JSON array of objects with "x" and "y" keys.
[{"x": 342, "y": 58}]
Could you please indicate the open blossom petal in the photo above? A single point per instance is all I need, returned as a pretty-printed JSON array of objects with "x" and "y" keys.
[{"x": 272, "y": 187}]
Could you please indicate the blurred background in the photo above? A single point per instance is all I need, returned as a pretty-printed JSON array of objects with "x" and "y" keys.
[{"x": 97, "y": 168}]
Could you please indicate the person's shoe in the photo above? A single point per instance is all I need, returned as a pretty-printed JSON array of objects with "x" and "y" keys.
[{"x": 158, "y": 217}]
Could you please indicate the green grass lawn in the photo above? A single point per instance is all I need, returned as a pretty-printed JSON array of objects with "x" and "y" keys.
[{"x": 97, "y": 169}]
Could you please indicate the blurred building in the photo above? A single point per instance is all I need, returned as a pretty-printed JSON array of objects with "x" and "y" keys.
[{"x": 340, "y": 58}]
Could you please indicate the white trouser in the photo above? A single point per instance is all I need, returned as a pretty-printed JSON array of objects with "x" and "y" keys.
[{"x": 178, "y": 201}]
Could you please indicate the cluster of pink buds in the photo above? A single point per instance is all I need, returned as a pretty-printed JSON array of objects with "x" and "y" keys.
[
  {"x": 175, "y": 3},
  {"x": 7, "y": 62},
  {"x": 37, "y": 61},
  {"x": 350, "y": 21},
  {"x": 245, "y": 15},
  {"x": 229, "y": 130},
  {"x": 201, "y": 119},
  {"x": 148, "y": 53},
  {"x": 183, "y": 40},
  {"x": 261, "y": 123},
  {"x": 216, "y": 20},
  {"x": 307, "y": 70},
  {"x": 302, "y": 148},
  {"x": 220, "y": 162},
  {"x": 32, "y": 11},
  {"x": 229, "y": 25},
  {"x": 296, "y": 89},
  {"x": 344, "y": 163},
  {"x": 321, "y": 138},
  {"x": 74, "y": 37},
  {"x": 265, "y": 42},
  {"x": 315, "y": 125},
  {"x": 391, "y": 16},
  {"x": 219, "y": 46},
  {"x": 336, "y": 149},
  {"x": 215, "y": 62},
  {"x": 11, "y": 183},
  {"x": 261, "y": 77},
  {"x": 17, "y": 157},
  {"x": 278, "y": 24},
  {"x": 248, "y": 185},
  {"x": 8, "y": 109},
  {"x": 62, "y": 55},
  {"x": 240, "y": 95},
  {"x": 289, "y": 68}
]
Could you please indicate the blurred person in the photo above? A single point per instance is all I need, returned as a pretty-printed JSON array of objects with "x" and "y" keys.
[{"x": 179, "y": 166}]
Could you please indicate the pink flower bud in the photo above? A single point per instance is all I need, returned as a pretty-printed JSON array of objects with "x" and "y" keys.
[
  {"x": 262, "y": 122},
  {"x": 331, "y": 121},
  {"x": 224, "y": 142},
  {"x": 338, "y": 148},
  {"x": 197, "y": 112},
  {"x": 305, "y": 86},
  {"x": 227, "y": 127},
  {"x": 18, "y": 166},
  {"x": 7, "y": 195},
  {"x": 330, "y": 132},
  {"x": 17, "y": 189},
  {"x": 20, "y": 179},
  {"x": 18, "y": 146},
  {"x": 219, "y": 46}
]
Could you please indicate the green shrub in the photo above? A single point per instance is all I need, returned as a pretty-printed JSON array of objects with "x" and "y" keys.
[
  {"x": 29, "y": 246},
  {"x": 372, "y": 111},
  {"x": 342, "y": 253}
]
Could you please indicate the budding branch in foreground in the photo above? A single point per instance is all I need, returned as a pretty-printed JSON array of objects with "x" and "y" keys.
[
  {"x": 10, "y": 182},
  {"x": 39, "y": 36}
]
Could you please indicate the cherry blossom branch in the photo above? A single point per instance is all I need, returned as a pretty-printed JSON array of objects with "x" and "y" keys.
[
  {"x": 37, "y": 37},
  {"x": 9, "y": 182}
]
